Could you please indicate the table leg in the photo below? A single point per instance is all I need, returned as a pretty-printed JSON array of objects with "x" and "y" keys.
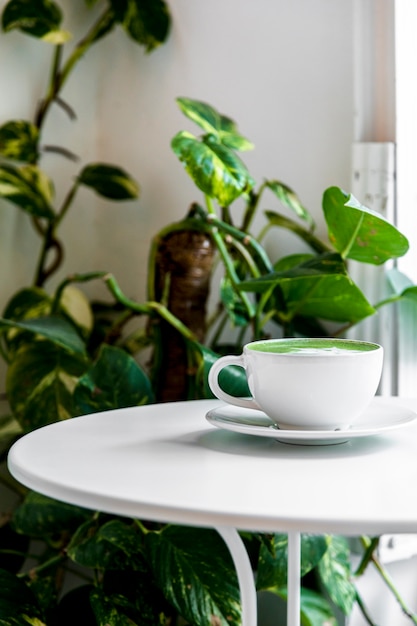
[
  {"x": 293, "y": 582},
  {"x": 244, "y": 574}
]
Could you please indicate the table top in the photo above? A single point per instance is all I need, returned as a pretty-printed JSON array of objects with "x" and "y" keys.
[{"x": 166, "y": 463}]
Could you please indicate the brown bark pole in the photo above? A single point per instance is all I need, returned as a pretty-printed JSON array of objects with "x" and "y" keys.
[{"x": 184, "y": 262}]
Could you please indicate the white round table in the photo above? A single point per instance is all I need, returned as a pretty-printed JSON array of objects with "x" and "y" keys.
[{"x": 166, "y": 463}]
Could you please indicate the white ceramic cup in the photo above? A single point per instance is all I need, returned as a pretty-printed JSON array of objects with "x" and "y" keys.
[{"x": 306, "y": 384}]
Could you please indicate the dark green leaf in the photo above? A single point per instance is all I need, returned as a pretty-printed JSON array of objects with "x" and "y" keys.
[
  {"x": 281, "y": 221},
  {"x": 213, "y": 122},
  {"x": 87, "y": 549},
  {"x": 39, "y": 384},
  {"x": 316, "y": 288},
  {"x": 272, "y": 565},
  {"x": 124, "y": 536},
  {"x": 232, "y": 379},
  {"x": 195, "y": 571},
  {"x": 108, "y": 612},
  {"x": 359, "y": 233},
  {"x": 39, "y": 515},
  {"x": 9, "y": 430},
  {"x": 73, "y": 604},
  {"x": 29, "y": 188},
  {"x": 147, "y": 21},
  {"x": 315, "y": 610},
  {"x": 214, "y": 168},
  {"x": 233, "y": 304},
  {"x": 114, "y": 381},
  {"x": 335, "y": 574},
  {"x": 289, "y": 199},
  {"x": 39, "y": 18},
  {"x": 109, "y": 181},
  {"x": 14, "y": 548},
  {"x": 114, "y": 545},
  {"x": 19, "y": 141},
  {"x": 18, "y": 605},
  {"x": 55, "y": 329}
]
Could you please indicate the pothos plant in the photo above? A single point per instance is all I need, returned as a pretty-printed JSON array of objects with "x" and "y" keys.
[{"x": 67, "y": 356}]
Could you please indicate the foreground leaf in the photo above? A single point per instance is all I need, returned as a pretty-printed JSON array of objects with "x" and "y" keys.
[
  {"x": 18, "y": 605},
  {"x": 335, "y": 574},
  {"x": 194, "y": 570},
  {"x": 319, "y": 287},
  {"x": 115, "y": 381},
  {"x": 359, "y": 233},
  {"x": 39, "y": 515},
  {"x": 39, "y": 384},
  {"x": 272, "y": 565},
  {"x": 55, "y": 329}
]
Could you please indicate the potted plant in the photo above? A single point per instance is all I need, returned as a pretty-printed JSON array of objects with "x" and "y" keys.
[{"x": 69, "y": 356}]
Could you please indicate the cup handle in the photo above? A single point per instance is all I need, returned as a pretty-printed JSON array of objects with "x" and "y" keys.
[{"x": 213, "y": 380}]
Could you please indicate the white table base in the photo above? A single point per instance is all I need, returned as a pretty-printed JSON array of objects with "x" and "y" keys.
[{"x": 246, "y": 581}]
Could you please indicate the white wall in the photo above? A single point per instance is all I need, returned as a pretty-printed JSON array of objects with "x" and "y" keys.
[{"x": 282, "y": 70}]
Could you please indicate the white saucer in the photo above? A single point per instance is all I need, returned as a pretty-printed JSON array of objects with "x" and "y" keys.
[{"x": 379, "y": 417}]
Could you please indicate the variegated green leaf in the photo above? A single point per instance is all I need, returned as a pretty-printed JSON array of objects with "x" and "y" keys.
[
  {"x": 335, "y": 574},
  {"x": 272, "y": 565},
  {"x": 109, "y": 181},
  {"x": 18, "y": 605},
  {"x": 146, "y": 21},
  {"x": 289, "y": 199},
  {"x": 55, "y": 329},
  {"x": 40, "y": 382},
  {"x": 214, "y": 168},
  {"x": 39, "y": 515},
  {"x": 29, "y": 188},
  {"x": 194, "y": 569},
  {"x": 19, "y": 141},
  {"x": 213, "y": 122},
  {"x": 39, "y": 18}
]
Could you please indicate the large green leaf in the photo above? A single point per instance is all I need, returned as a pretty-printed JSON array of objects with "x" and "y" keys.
[
  {"x": 319, "y": 287},
  {"x": 359, "y": 233},
  {"x": 146, "y": 21},
  {"x": 214, "y": 168},
  {"x": 114, "y": 381},
  {"x": 196, "y": 574},
  {"x": 52, "y": 328},
  {"x": 29, "y": 188},
  {"x": 40, "y": 381},
  {"x": 108, "y": 611},
  {"x": 39, "y": 515},
  {"x": 272, "y": 564},
  {"x": 109, "y": 181},
  {"x": 335, "y": 574},
  {"x": 289, "y": 199},
  {"x": 87, "y": 549},
  {"x": 18, "y": 605},
  {"x": 19, "y": 141},
  {"x": 232, "y": 379},
  {"x": 314, "y": 608},
  {"x": 213, "y": 122},
  {"x": 39, "y": 18}
]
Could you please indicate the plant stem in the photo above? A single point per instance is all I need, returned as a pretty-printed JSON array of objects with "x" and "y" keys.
[
  {"x": 371, "y": 557},
  {"x": 59, "y": 77}
]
